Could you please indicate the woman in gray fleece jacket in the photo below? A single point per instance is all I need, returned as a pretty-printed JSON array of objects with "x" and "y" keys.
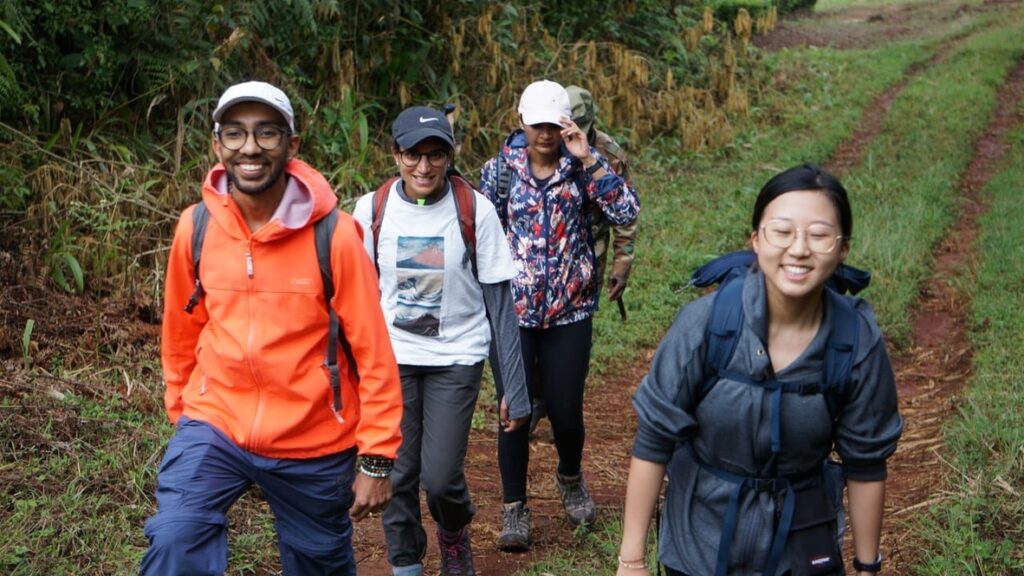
[{"x": 749, "y": 489}]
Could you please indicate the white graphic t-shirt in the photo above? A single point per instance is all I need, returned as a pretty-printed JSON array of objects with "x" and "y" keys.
[{"x": 432, "y": 303}]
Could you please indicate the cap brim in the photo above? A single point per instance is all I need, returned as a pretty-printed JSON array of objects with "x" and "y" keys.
[
  {"x": 543, "y": 117},
  {"x": 411, "y": 139},
  {"x": 247, "y": 98}
]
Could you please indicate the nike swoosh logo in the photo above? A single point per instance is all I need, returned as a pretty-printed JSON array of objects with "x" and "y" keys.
[{"x": 425, "y": 120}]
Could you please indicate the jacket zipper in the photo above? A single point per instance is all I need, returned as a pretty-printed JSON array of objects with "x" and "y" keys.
[
  {"x": 250, "y": 336},
  {"x": 248, "y": 260},
  {"x": 546, "y": 228}
]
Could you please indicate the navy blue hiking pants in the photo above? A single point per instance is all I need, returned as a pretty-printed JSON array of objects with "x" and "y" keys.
[{"x": 203, "y": 473}]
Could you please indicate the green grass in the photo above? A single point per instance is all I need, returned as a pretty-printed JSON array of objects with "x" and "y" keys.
[
  {"x": 978, "y": 527},
  {"x": 902, "y": 194},
  {"x": 698, "y": 206}
]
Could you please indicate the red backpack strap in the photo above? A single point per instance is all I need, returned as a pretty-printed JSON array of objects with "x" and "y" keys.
[
  {"x": 380, "y": 200},
  {"x": 465, "y": 205}
]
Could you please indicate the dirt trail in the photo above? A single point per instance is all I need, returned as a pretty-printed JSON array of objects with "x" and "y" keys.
[
  {"x": 610, "y": 428},
  {"x": 850, "y": 153},
  {"x": 929, "y": 374},
  {"x": 933, "y": 371}
]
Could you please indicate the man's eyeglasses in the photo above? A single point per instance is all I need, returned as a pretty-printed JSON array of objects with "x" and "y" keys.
[
  {"x": 436, "y": 158},
  {"x": 267, "y": 137},
  {"x": 820, "y": 238}
]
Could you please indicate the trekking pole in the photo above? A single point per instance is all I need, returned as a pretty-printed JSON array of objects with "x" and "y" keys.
[{"x": 622, "y": 308}]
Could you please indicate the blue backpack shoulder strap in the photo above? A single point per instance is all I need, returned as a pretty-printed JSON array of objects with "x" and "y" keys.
[
  {"x": 722, "y": 332},
  {"x": 323, "y": 233},
  {"x": 200, "y": 217},
  {"x": 841, "y": 351}
]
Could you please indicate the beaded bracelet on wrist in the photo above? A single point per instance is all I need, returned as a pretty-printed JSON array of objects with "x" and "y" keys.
[
  {"x": 376, "y": 466},
  {"x": 632, "y": 564}
]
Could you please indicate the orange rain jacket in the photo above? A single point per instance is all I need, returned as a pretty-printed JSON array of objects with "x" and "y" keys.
[{"x": 249, "y": 360}]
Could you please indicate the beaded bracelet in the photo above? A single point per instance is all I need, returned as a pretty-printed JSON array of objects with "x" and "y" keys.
[
  {"x": 638, "y": 564},
  {"x": 376, "y": 466}
]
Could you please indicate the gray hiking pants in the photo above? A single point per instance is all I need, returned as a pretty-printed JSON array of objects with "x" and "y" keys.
[{"x": 438, "y": 404}]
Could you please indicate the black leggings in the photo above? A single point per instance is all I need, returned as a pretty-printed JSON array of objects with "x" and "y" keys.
[{"x": 556, "y": 360}]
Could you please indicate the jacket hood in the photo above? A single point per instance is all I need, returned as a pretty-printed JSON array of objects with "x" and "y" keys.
[{"x": 307, "y": 198}]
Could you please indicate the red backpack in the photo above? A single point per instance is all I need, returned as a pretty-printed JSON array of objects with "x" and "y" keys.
[{"x": 465, "y": 206}]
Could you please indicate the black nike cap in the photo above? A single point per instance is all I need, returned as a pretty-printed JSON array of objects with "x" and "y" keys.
[{"x": 417, "y": 123}]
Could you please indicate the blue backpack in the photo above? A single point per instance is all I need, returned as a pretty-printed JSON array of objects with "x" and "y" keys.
[
  {"x": 818, "y": 553},
  {"x": 726, "y": 322}
]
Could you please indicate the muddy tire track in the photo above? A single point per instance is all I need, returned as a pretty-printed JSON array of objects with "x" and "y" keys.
[
  {"x": 850, "y": 152},
  {"x": 933, "y": 371}
]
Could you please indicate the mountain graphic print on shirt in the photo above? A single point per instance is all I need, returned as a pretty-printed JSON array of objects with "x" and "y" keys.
[{"x": 419, "y": 272}]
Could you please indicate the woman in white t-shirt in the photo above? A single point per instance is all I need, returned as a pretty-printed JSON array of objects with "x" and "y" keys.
[{"x": 445, "y": 291}]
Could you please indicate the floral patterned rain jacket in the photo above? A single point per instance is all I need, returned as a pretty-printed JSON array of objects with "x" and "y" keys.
[{"x": 548, "y": 230}]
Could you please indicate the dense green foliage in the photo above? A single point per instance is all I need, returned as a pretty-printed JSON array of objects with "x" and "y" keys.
[
  {"x": 105, "y": 104},
  {"x": 141, "y": 60},
  {"x": 727, "y": 9}
]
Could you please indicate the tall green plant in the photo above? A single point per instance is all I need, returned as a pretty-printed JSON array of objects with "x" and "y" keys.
[{"x": 65, "y": 271}]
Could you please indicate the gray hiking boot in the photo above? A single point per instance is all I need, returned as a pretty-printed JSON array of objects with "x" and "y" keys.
[
  {"x": 456, "y": 553},
  {"x": 579, "y": 506},
  {"x": 515, "y": 527}
]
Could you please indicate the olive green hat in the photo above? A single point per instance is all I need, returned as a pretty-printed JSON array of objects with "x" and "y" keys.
[{"x": 583, "y": 110}]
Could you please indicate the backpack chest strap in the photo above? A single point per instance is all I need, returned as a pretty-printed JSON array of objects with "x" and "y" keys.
[
  {"x": 777, "y": 388},
  {"x": 779, "y": 485}
]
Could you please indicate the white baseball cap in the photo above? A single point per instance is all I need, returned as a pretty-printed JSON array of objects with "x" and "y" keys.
[
  {"x": 544, "y": 102},
  {"x": 256, "y": 92}
]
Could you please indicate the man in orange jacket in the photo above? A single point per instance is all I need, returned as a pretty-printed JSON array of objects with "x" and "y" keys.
[{"x": 245, "y": 369}]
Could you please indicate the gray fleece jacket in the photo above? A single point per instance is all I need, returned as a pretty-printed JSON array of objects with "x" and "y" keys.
[{"x": 730, "y": 429}]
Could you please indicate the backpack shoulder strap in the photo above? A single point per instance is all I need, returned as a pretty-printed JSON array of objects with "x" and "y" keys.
[
  {"x": 722, "y": 333},
  {"x": 465, "y": 206},
  {"x": 841, "y": 351},
  {"x": 200, "y": 218},
  {"x": 380, "y": 201},
  {"x": 323, "y": 234}
]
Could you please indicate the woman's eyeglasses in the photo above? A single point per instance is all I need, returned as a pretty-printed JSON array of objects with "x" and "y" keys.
[
  {"x": 820, "y": 238},
  {"x": 436, "y": 158}
]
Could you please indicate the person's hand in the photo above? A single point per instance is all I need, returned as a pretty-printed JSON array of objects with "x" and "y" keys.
[
  {"x": 372, "y": 496},
  {"x": 509, "y": 425},
  {"x": 616, "y": 286},
  {"x": 576, "y": 141},
  {"x": 623, "y": 571}
]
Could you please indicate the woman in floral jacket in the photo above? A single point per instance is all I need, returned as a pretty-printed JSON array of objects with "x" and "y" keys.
[{"x": 543, "y": 184}]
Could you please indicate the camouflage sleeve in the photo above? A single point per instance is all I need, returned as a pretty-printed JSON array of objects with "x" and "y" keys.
[
  {"x": 624, "y": 236},
  {"x": 623, "y": 246}
]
